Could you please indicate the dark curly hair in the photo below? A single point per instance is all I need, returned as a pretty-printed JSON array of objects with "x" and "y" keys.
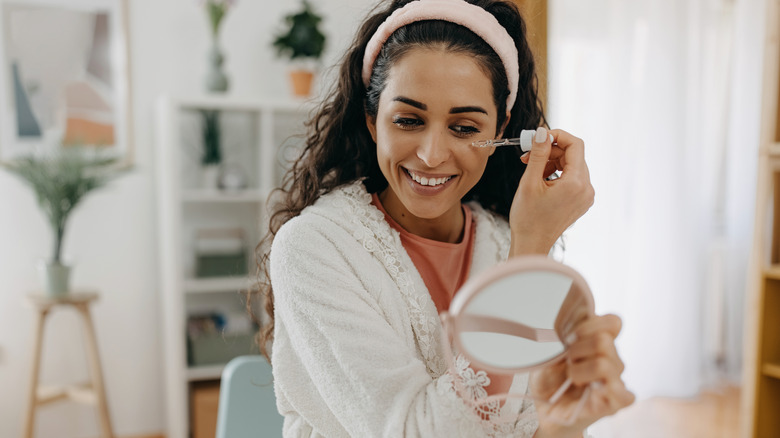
[{"x": 338, "y": 129}]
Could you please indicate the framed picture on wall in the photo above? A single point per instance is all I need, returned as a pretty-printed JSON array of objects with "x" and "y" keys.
[{"x": 64, "y": 78}]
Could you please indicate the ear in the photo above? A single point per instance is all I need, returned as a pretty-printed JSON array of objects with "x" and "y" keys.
[{"x": 371, "y": 125}]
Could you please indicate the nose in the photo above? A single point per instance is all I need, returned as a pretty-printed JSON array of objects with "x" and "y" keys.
[{"x": 434, "y": 148}]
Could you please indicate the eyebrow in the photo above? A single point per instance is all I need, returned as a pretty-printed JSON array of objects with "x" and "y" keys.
[
  {"x": 454, "y": 110},
  {"x": 467, "y": 109}
]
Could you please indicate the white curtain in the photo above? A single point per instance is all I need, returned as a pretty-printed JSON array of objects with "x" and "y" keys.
[{"x": 666, "y": 95}]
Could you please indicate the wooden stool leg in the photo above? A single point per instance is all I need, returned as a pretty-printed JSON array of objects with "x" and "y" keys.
[
  {"x": 96, "y": 371},
  {"x": 29, "y": 416}
]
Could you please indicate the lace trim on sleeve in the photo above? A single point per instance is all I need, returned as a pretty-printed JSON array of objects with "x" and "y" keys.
[{"x": 472, "y": 387}]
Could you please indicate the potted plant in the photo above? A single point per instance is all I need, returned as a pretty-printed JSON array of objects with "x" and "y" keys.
[
  {"x": 212, "y": 152},
  {"x": 303, "y": 43},
  {"x": 60, "y": 182}
]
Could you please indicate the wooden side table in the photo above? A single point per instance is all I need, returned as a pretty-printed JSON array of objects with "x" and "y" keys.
[{"x": 93, "y": 392}]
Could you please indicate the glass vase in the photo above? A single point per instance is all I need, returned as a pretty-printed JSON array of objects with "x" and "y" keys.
[{"x": 216, "y": 79}]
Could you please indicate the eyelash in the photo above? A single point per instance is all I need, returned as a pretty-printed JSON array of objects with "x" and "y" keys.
[{"x": 409, "y": 123}]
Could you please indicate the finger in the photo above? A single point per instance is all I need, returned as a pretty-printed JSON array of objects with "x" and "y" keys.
[
  {"x": 612, "y": 324},
  {"x": 573, "y": 149},
  {"x": 594, "y": 369},
  {"x": 601, "y": 344},
  {"x": 550, "y": 168},
  {"x": 615, "y": 395},
  {"x": 624, "y": 396},
  {"x": 615, "y": 362},
  {"x": 546, "y": 381},
  {"x": 556, "y": 156},
  {"x": 556, "y": 152},
  {"x": 540, "y": 154}
]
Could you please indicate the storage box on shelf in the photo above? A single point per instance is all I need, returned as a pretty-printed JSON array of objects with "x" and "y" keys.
[{"x": 207, "y": 235}]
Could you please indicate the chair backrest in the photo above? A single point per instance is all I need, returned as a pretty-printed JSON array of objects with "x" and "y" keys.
[{"x": 247, "y": 404}]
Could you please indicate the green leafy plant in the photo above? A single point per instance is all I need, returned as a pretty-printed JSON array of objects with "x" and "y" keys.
[
  {"x": 302, "y": 37},
  {"x": 212, "y": 153},
  {"x": 60, "y": 182}
]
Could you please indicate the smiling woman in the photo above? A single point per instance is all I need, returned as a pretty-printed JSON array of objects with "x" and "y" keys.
[{"x": 390, "y": 210}]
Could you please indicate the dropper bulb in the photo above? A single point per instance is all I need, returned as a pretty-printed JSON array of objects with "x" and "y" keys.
[{"x": 527, "y": 139}]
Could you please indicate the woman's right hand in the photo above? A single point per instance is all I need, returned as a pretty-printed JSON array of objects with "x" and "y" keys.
[{"x": 542, "y": 210}]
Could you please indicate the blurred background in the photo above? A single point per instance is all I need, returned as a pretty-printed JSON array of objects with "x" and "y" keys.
[{"x": 666, "y": 94}]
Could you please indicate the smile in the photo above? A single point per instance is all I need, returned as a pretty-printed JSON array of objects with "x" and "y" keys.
[{"x": 432, "y": 182}]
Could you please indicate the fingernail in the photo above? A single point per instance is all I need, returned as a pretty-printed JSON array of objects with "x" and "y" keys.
[
  {"x": 571, "y": 338},
  {"x": 552, "y": 139},
  {"x": 596, "y": 385},
  {"x": 541, "y": 134},
  {"x": 525, "y": 155}
]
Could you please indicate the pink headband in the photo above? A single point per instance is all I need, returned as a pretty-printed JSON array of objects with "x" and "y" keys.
[{"x": 472, "y": 17}]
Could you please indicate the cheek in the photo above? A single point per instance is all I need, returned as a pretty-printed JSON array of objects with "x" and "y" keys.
[
  {"x": 393, "y": 146},
  {"x": 475, "y": 161}
]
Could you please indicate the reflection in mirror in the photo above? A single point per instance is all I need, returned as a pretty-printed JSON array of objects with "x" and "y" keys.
[{"x": 532, "y": 299}]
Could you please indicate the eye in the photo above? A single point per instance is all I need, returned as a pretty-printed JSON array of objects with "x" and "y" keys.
[
  {"x": 407, "y": 122},
  {"x": 465, "y": 130}
]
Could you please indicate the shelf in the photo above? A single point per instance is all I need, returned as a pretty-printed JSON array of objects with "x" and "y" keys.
[
  {"x": 254, "y": 130},
  {"x": 772, "y": 272},
  {"x": 244, "y": 196},
  {"x": 218, "y": 284},
  {"x": 771, "y": 370},
  {"x": 210, "y": 372},
  {"x": 228, "y": 103}
]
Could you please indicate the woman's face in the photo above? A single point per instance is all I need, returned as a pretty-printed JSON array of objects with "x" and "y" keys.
[{"x": 434, "y": 105}]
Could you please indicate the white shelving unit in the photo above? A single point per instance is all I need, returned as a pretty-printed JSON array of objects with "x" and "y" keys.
[{"x": 258, "y": 136}]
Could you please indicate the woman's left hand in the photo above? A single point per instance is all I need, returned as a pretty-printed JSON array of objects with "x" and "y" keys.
[{"x": 591, "y": 362}]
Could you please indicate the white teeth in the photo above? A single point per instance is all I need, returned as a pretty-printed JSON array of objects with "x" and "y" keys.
[{"x": 428, "y": 181}]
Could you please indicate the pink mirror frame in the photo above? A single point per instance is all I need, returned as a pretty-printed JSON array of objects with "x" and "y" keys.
[{"x": 454, "y": 321}]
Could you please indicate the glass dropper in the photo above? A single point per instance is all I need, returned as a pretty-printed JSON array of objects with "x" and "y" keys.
[{"x": 524, "y": 141}]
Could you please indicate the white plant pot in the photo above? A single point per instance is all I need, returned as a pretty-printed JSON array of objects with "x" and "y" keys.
[{"x": 54, "y": 278}]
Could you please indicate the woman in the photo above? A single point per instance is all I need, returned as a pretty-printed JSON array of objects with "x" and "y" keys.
[{"x": 372, "y": 236}]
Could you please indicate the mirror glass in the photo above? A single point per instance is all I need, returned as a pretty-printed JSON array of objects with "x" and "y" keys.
[{"x": 519, "y": 320}]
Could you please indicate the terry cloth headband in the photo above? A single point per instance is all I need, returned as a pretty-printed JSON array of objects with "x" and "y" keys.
[{"x": 472, "y": 17}]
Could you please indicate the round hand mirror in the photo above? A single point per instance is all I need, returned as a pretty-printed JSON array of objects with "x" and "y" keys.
[{"x": 517, "y": 316}]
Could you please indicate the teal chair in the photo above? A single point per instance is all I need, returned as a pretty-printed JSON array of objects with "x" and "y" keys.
[{"x": 247, "y": 404}]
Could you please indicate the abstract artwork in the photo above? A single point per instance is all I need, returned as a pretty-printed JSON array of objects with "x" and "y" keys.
[{"x": 64, "y": 77}]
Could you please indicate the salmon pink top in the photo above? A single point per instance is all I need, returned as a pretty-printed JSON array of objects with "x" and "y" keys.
[{"x": 443, "y": 266}]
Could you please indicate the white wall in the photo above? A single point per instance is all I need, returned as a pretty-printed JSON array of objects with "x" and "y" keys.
[{"x": 112, "y": 236}]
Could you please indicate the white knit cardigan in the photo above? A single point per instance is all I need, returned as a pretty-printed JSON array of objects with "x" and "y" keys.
[{"x": 356, "y": 349}]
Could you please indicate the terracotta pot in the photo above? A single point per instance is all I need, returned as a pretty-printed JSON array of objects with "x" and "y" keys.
[{"x": 301, "y": 81}]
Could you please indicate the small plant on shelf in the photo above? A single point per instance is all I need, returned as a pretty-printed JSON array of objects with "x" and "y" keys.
[
  {"x": 212, "y": 153},
  {"x": 302, "y": 43}
]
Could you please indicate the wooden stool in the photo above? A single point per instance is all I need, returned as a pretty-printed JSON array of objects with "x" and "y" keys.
[{"x": 93, "y": 393}]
